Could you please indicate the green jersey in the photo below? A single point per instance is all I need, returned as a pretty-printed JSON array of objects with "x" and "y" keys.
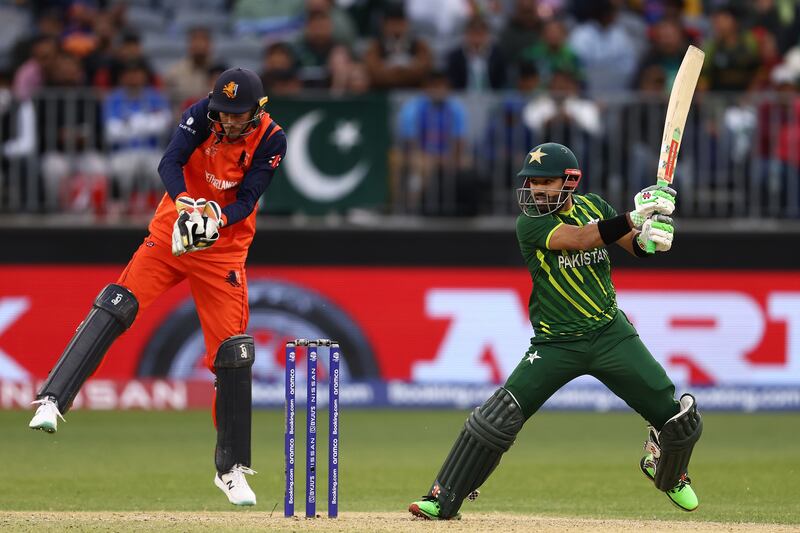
[{"x": 572, "y": 291}]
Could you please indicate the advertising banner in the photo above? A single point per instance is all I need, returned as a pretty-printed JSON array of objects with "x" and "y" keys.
[{"x": 412, "y": 337}]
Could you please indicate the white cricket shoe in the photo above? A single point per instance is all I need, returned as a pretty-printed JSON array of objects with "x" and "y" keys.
[
  {"x": 47, "y": 415},
  {"x": 235, "y": 486}
]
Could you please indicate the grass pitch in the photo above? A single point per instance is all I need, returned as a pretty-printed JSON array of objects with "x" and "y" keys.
[{"x": 574, "y": 466}]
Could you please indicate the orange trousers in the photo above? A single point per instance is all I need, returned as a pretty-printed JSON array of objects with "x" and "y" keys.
[{"x": 219, "y": 289}]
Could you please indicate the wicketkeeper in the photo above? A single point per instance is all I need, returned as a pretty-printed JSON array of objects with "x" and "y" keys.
[
  {"x": 217, "y": 165},
  {"x": 578, "y": 330}
]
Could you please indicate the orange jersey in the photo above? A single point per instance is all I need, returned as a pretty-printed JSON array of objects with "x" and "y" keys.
[{"x": 233, "y": 174}]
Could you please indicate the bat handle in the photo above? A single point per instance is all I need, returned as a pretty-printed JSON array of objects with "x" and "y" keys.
[{"x": 650, "y": 246}]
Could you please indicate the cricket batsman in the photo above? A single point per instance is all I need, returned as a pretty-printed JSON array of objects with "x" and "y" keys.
[
  {"x": 578, "y": 330},
  {"x": 218, "y": 163}
]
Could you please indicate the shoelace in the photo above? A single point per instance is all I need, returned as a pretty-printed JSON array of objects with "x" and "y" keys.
[
  {"x": 48, "y": 401},
  {"x": 682, "y": 482},
  {"x": 244, "y": 470},
  {"x": 238, "y": 472}
]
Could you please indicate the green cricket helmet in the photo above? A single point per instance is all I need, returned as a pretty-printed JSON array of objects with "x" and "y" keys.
[{"x": 548, "y": 160}]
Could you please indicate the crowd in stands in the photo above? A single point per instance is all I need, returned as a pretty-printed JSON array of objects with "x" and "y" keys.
[{"x": 148, "y": 60}]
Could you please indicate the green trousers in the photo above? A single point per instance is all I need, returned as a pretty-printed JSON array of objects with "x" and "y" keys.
[{"x": 613, "y": 354}]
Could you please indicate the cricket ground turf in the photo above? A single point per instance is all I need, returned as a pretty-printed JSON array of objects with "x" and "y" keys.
[{"x": 142, "y": 471}]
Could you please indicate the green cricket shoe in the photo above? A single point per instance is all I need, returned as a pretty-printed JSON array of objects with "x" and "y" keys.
[
  {"x": 429, "y": 509},
  {"x": 682, "y": 495}
]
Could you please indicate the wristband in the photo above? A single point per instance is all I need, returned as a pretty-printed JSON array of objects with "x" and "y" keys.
[{"x": 613, "y": 229}]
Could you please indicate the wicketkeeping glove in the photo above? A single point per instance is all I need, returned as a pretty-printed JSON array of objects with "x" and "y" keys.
[
  {"x": 187, "y": 226},
  {"x": 650, "y": 201},
  {"x": 212, "y": 222},
  {"x": 659, "y": 230}
]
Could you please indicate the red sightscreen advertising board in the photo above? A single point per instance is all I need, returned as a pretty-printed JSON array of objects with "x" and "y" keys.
[{"x": 422, "y": 325}]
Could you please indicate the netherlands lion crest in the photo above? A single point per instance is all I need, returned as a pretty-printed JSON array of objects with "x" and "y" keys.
[{"x": 230, "y": 89}]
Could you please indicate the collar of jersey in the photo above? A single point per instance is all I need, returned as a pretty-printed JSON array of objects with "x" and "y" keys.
[{"x": 568, "y": 211}]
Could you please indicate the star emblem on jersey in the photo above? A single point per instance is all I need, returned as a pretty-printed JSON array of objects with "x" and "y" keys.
[
  {"x": 536, "y": 155},
  {"x": 533, "y": 357}
]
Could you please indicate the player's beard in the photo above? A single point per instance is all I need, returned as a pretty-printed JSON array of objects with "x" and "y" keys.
[
  {"x": 233, "y": 131},
  {"x": 540, "y": 202},
  {"x": 546, "y": 201}
]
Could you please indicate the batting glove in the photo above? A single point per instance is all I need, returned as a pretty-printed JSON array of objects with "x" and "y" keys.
[
  {"x": 650, "y": 201},
  {"x": 658, "y": 229}
]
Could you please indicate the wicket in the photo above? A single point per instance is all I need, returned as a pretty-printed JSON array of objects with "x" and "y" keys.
[{"x": 334, "y": 355}]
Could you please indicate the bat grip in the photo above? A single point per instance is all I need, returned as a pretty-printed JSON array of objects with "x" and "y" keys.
[{"x": 650, "y": 246}]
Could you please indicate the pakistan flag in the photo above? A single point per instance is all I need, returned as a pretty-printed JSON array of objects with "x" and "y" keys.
[{"x": 336, "y": 155}]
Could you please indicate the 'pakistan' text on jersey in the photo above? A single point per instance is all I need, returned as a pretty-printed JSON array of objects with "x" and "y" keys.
[{"x": 572, "y": 291}]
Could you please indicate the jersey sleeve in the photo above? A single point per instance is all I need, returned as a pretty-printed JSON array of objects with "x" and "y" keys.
[
  {"x": 599, "y": 206},
  {"x": 191, "y": 132},
  {"x": 536, "y": 231},
  {"x": 266, "y": 159}
]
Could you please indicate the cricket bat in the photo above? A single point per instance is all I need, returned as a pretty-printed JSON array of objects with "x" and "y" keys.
[{"x": 680, "y": 100}]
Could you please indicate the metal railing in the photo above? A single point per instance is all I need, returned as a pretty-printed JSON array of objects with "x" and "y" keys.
[{"x": 740, "y": 157}]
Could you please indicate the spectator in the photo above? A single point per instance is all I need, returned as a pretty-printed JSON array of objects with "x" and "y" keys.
[
  {"x": 444, "y": 17},
  {"x": 213, "y": 73},
  {"x": 17, "y": 144},
  {"x": 313, "y": 48},
  {"x": 779, "y": 144},
  {"x": 552, "y": 52},
  {"x": 32, "y": 74},
  {"x": 69, "y": 126},
  {"x": 791, "y": 62},
  {"x": 507, "y": 137},
  {"x": 279, "y": 73},
  {"x": 767, "y": 17},
  {"x": 642, "y": 123},
  {"x": 768, "y": 55},
  {"x": 732, "y": 61},
  {"x": 188, "y": 77},
  {"x": 666, "y": 52},
  {"x": 358, "y": 82},
  {"x": 79, "y": 38},
  {"x": 477, "y": 64},
  {"x": 48, "y": 24},
  {"x": 277, "y": 56},
  {"x": 347, "y": 75},
  {"x": 136, "y": 117},
  {"x": 521, "y": 31},
  {"x": 433, "y": 131},
  {"x": 561, "y": 114},
  {"x": 439, "y": 21},
  {"x": 286, "y": 83},
  {"x": 129, "y": 49},
  {"x": 344, "y": 30},
  {"x": 604, "y": 48},
  {"x": 102, "y": 55},
  {"x": 396, "y": 60}
]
